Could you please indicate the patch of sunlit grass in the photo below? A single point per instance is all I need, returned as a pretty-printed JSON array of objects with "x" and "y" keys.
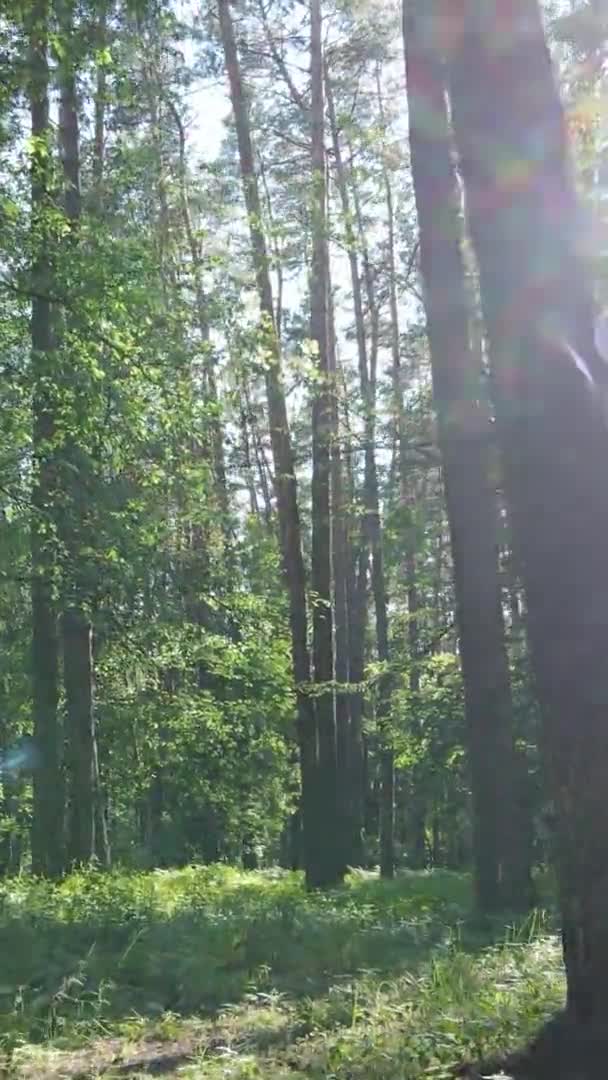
[{"x": 233, "y": 974}]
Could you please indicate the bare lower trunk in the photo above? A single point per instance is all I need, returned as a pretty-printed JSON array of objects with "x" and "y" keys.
[
  {"x": 501, "y": 871},
  {"x": 537, "y": 303}
]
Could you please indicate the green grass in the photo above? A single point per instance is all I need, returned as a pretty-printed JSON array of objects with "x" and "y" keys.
[{"x": 213, "y": 973}]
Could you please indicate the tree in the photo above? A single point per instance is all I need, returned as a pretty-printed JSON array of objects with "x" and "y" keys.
[
  {"x": 319, "y": 850},
  {"x": 371, "y": 538},
  {"x": 47, "y": 822},
  {"x": 501, "y": 869},
  {"x": 331, "y": 864},
  {"x": 548, "y": 381},
  {"x": 86, "y": 833}
]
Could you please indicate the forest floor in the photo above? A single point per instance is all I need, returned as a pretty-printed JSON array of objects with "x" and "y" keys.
[{"x": 214, "y": 973}]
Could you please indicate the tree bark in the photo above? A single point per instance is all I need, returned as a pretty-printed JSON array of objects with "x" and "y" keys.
[
  {"x": 501, "y": 870},
  {"x": 48, "y": 809},
  {"x": 549, "y": 382}
]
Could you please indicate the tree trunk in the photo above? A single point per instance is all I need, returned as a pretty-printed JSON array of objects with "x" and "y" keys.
[
  {"x": 48, "y": 808},
  {"x": 218, "y": 457},
  {"x": 330, "y": 868},
  {"x": 263, "y": 471},
  {"x": 314, "y": 832},
  {"x": 549, "y": 382},
  {"x": 245, "y": 447},
  {"x": 501, "y": 869},
  {"x": 357, "y": 564},
  {"x": 80, "y": 735},
  {"x": 77, "y": 630},
  {"x": 348, "y": 787},
  {"x": 372, "y": 528},
  {"x": 418, "y": 796},
  {"x": 357, "y": 582},
  {"x": 407, "y": 500},
  {"x": 99, "y": 121}
]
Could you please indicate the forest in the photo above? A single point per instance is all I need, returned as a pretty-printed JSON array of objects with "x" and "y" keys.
[{"x": 303, "y": 518}]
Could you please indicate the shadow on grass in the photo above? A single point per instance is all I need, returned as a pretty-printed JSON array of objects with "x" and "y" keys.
[{"x": 89, "y": 955}]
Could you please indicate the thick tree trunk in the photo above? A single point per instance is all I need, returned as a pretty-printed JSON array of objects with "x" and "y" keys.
[
  {"x": 315, "y": 832},
  {"x": 77, "y": 630},
  {"x": 501, "y": 870},
  {"x": 549, "y": 383},
  {"x": 48, "y": 808}
]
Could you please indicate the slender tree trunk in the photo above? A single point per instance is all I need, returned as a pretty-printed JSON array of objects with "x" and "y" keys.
[
  {"x": 407, "y": 500},
  {"x": 419, "y": 801},
  {"x": 254, "y": 508},
  {"x": 48, "y": 808},
  {"x": 348, "y": 749},
  {"x": 550, "y": 386},
  {"x": 99, "y": 106},
  {"x": 373, "y": 526},
  {"x": 80, "y": 731},
  {"x": 372, "y": 523},
  {"x": 315, "y": 834},
  {"x": 102, "y": 832},
  {"x": 339, "y": 554},
  {"x": 501, "y": 870},
  {"x": 331, "y": 863},
  {"x": 358, "y": 562},
  {"x": 217, "y": 432},
  {"x": 264, "y": 478},
  {"x": 357, "y": 586}
]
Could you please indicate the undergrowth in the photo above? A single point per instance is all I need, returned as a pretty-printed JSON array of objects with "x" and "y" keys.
[{"x": 218, "y": 973}]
